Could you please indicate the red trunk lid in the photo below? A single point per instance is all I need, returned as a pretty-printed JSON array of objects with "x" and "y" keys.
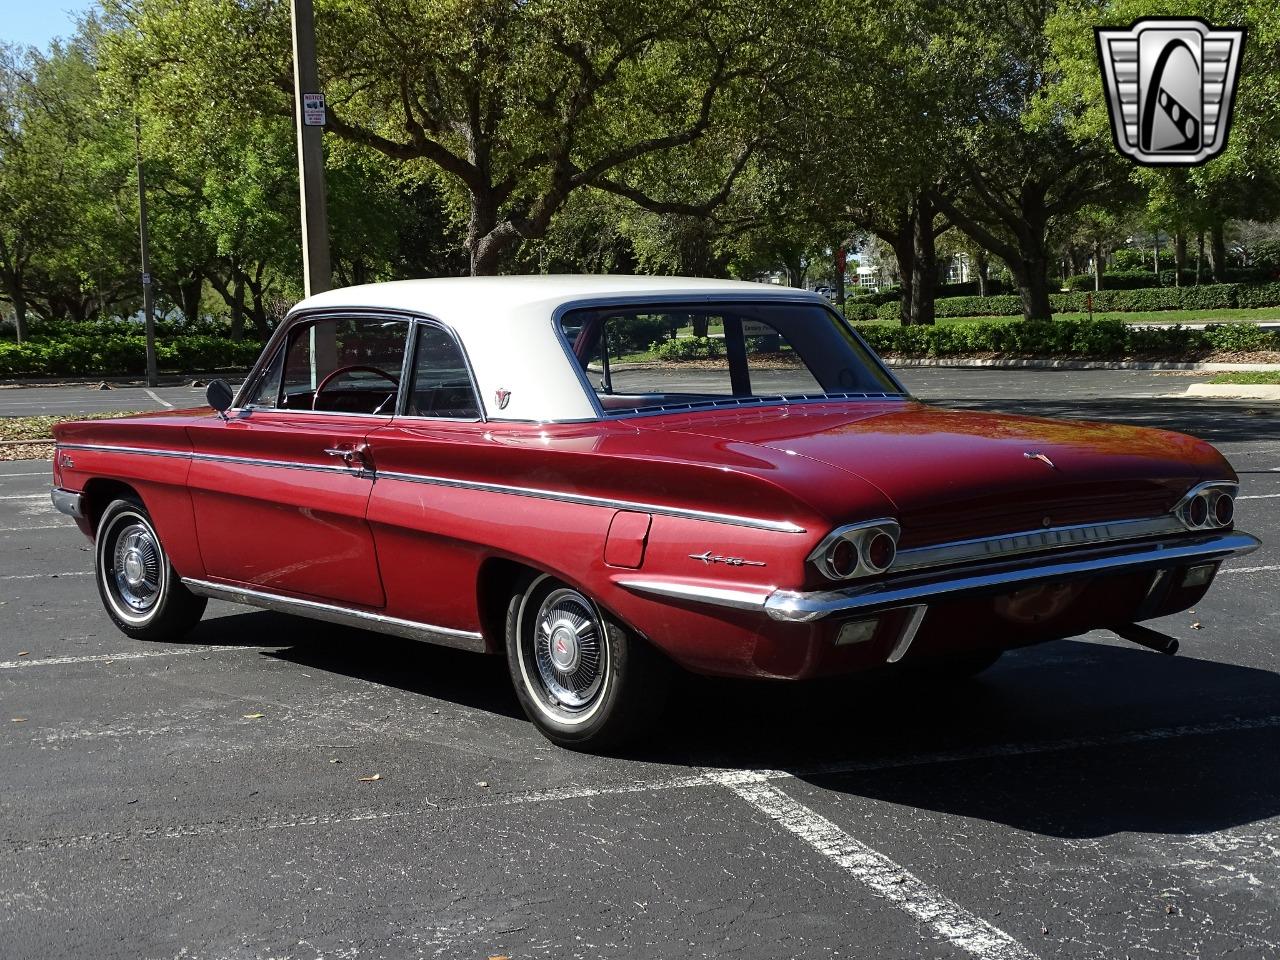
[{"x": 954, "y": 475}]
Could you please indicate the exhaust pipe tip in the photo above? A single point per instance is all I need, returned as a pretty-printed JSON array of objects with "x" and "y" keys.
[{"x": 1146, "y": 637}]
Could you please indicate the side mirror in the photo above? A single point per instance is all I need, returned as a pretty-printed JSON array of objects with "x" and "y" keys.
[{"x": 220, "y": 396}]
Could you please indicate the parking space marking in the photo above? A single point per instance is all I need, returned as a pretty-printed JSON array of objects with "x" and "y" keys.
[
  {"x": 1259, "y": 496},
  {"x": 34, "y": 473},
  {"x": 45, "y": 576},
  {"x": 154, "y": 396},
  {"x": 1274, "y": 566},
  {"x": 26, "y": 496},
  {"x": 868, "y": 866},
  {"x": 33, "y": 526},
  {"x": 127, "y": 655}
]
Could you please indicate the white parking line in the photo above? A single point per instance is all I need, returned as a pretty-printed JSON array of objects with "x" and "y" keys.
[
  {"x": 890, "y": 880},
  {"x": 1274, "y": 566},
  {"x": 1259, "y": 496},
  {"x": 108, "y": 657},
  {"x": 35, "y": 473},
  {"x": 157, "y": 399},
  {"x": 26, "y": 496},
  {"x": 49, "y": 576},
  {"x": 35, "y": 526}
]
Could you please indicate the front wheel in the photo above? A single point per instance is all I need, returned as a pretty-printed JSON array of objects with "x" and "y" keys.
[
  {"x": 140, "y": 590},
  {"x": 581, "y": 677}
]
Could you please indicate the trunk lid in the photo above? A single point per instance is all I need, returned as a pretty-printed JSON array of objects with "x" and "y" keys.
[{"x": 956, "y": 475}]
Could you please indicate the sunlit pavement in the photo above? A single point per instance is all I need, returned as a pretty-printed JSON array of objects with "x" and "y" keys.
[{"x": 1082, "y": 799}]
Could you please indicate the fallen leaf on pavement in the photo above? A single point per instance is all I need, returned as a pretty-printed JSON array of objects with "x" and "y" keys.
[
  {"x": 1196, "y": 625},
  {"x": 376, "y": 776},
  {"x": 18, "y": 720},
  {"x": 23, "y": 653},
  {"x": 482, "y": 783},
  {"x": 253, "y": 716}
]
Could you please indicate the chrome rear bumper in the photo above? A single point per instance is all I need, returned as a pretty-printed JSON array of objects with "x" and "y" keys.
[
  {"x": 68, "y": 502},
  {"x": 922, "y": 587},
  {"x": 998, "y": 578}
]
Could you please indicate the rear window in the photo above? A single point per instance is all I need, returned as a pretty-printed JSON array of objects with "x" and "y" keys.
[{"x": 639, "y": 358}]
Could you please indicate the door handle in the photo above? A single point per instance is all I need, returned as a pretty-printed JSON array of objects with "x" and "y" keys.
[{"x": 356, "y": 457}]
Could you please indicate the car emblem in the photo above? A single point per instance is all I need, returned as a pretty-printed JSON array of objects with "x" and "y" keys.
[
  {"x": 503, "y": 397},
  {"x": 1037, "y": 455},
  {"x": 709, "y": 558},
  {"x": 1170, "y": 87}
]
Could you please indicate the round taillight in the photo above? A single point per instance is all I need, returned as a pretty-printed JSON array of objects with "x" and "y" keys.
[
  {"x": 1198, "y": 511},
  {"x": 1224, "y": 509},
  {"x": 842, "y": 558},
  {"x": 881, "y": 550}
]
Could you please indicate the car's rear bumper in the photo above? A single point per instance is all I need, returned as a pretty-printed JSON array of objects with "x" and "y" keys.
[
  {"x": 68, "y": 501},
  {"x": 970, "y": 581}
]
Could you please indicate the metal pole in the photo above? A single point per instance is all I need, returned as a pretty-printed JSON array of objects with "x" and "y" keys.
[
  {"x": 315, "y": 220},
  {"x": 148, "y": 302}
]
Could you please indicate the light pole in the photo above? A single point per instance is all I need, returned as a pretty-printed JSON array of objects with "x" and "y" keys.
[
  {"x": 309, "y": 112},
  {"x": 148, "y": 301}
]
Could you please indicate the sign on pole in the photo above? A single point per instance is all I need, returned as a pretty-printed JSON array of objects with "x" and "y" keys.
[{"x": 313, "y": 109}]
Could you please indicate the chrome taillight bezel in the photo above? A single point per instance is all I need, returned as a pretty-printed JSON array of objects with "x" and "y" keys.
[
  {"x": 860, "y": 536},
  {"x": 1207, "y": 498}
]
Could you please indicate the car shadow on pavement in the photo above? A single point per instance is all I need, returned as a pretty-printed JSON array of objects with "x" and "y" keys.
[
  {"x": 1070, "y": 739},
  {"x": 456, "y": 676}
]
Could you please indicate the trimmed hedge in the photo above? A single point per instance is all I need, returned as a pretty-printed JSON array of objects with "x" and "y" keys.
[
  {"x": 1206, "y": 296},
  {"x": 689, "y": 348},
  {"x": 117, "y": 355},
  {"x": 1092, "y": 339}
]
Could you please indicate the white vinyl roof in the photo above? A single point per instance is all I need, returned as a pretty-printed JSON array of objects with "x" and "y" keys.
[{"x": 506, "y": 326}]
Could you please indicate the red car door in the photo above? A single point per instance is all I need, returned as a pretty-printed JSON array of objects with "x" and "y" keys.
[{"x": 280, "y": 489}]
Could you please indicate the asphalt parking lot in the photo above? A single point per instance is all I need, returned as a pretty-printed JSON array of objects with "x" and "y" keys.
[{"x": 211, "y": 799}]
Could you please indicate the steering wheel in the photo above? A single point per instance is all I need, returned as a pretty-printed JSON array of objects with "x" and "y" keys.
[{"x": 334, "y": 374}]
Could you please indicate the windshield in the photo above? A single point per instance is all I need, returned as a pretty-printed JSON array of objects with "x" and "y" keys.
[{"x": 640, "y": 358}]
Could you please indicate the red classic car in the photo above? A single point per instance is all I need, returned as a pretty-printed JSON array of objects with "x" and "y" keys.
[{"x": 503, "y": 465}]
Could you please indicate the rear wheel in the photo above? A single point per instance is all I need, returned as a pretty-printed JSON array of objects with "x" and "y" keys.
[
  {"x": 581, "y": 677},
  {"x": 140, "y": 590}
]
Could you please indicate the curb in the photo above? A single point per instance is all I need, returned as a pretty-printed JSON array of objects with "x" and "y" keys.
[
  {"x": 1238, "y": 391},
  {"x": 1210, "y": 367}
]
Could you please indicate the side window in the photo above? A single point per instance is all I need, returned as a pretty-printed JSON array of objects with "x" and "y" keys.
[
  {"x": 338, "y": 365},
  {"x": 441, "y": 384},
  {"x": 267, "y": 393}
]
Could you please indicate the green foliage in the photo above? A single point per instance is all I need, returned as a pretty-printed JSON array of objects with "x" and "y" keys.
[
  {"x": 117, "y": 354},
  {"x": 1083, "y": 339},
  {"x": 689, "y": 348},
  {"x": 1211, "y": 296}
]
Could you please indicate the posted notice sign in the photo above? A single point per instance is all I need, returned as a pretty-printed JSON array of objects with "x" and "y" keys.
[{"x": 313, "y": 109}]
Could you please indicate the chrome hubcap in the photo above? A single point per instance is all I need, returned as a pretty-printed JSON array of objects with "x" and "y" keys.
[
  {"x": 136, "y": 568},
  {"x": 568, "y": 649}
]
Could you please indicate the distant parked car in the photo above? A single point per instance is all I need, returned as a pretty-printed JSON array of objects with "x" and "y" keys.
[{"x": 468, "y": 462}]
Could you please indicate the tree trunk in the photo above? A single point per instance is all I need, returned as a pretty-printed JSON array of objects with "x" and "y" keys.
[
  {"x": 19, "y": 315},
  {"x": 839, "y": 268},
  {"x": 983, "y": 266},
  {"x": 189, "y": 291},
  {"x": 1199, "y": 256},
  {"x": 924, "y": 263},
  {"x": 1179, "y": 256},
  {"x": 1031, "y": 273},
  {"x": 1097, "y": 265},
  {"x": 1218, "y": 253},
  {"x": 237, "y": 305}
]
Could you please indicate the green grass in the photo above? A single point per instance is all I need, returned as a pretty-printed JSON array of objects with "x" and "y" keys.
[{"x": 1249, "y": 377}]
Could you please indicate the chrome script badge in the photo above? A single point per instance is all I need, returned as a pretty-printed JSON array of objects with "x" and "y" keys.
[{"x": 1170, "y": 85}]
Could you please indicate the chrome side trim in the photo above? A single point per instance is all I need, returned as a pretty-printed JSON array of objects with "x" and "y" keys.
[
  {"x": 332, "y": 613},
  {"x": 735, "y": 598},
  {"x": 909, "y": 631},
  {"x": 1185, "y": 551},
  {"x": 114, "y": 448},
  {"x": 777, "y": 526},
  {"x": 1031, "y": 541},
  {"x": 68, "y": 502}
]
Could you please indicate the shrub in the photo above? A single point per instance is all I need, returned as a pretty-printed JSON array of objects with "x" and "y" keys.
[
  {"x": 690, "y": 348},
  {"x": 1258, "y": 295},
  {"x": 638, "y": 333},
  {"x": 117, "y": 355},
  {"x": 1094, "y": 339}
]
